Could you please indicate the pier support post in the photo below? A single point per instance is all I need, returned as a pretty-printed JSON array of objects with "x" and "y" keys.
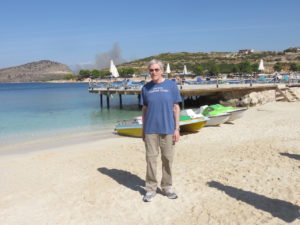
[
  {"x": 107, "y": 100},
  {"x": 121, "y": 104},
  {"x": 101, "y": 100},
  {"x": 139, "y": 100}
]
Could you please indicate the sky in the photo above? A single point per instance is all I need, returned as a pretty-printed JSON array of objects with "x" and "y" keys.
[{"x": 75, "y": 32}]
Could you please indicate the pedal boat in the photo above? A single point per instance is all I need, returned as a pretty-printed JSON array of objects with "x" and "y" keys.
[
  {"x": 215, "y": 110},
  {"x": 134, "y": 128}
]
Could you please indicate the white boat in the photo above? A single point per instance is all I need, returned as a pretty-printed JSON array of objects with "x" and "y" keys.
[
  {"x": 236, "y": 114},
  {"x": 133, "y": 128},
  {"x": 217, "y": 120},
  {"x": 212, "y": 120}
]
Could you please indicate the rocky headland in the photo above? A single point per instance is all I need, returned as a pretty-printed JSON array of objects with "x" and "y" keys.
[{"x": 43, "y": 70}]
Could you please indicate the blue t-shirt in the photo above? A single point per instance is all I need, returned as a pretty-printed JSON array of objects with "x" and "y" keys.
[{"x": 160, "y": 99}]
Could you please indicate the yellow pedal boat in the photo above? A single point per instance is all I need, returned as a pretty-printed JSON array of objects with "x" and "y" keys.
[{"x": 134, "y": 128}]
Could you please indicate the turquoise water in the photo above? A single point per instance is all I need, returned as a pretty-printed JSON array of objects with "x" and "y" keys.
[{"x": 34, "y": 110}]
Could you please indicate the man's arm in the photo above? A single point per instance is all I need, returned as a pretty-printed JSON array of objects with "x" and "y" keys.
[{"x": 176, "y": 134}]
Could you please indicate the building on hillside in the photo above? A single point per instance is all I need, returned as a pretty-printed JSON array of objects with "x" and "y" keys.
[{"x": 246, "y": 51}]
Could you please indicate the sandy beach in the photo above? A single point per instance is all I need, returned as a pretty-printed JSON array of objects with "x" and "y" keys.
[{"x": 247, "y": 172}]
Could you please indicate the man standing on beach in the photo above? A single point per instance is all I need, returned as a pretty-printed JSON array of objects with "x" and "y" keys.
[{"x": 160, "y": 112}]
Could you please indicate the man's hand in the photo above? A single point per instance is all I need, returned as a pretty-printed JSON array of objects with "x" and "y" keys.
[{"x": 176, "y": 136}]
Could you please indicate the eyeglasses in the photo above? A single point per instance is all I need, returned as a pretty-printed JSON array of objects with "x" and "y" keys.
[{"x": 152, "y": 70}]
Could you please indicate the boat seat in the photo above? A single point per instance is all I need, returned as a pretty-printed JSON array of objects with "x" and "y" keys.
[
  {"x": 138, "y": 120},
  {"x": 192, "y": 114},
  {"x": 201, "y": 109}
]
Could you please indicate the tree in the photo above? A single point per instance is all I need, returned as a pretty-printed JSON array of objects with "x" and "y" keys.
[
  {"x": 126, "y": 71},
  {"x": 225, "y": 68},
  {"x": 291, "y": 50},
  {"x": 213, "y": 69},
  {"x": 278, "y": 67},
  {"x": 198, "y": 69},
  {"x": 294, "y": 67},
  {"x": 254, "y": 67},
  {"x": 235, "y": 69},
  {"x": 84, "y": 73},
  {"x": 104, "y": 73},
  {"x": 95, "y": 74},
  {"x": 245, "y": 67}
]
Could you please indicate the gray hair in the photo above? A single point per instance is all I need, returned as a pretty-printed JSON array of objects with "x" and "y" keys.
[{"x": 158, "y": 62}]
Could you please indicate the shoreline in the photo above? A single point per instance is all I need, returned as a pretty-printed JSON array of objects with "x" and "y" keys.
[{"x": 47, "y": 141}]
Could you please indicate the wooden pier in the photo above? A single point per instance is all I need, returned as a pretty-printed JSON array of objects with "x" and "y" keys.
[{"x": 185, "y": 91}]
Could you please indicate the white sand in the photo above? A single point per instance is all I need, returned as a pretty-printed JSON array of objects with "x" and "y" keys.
[{"x": 242, "y": 173}]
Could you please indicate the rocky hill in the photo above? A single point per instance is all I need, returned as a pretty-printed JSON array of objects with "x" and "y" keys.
[
  {"x": 43, "y": 70},
  {"x": 178, "y": 60}
]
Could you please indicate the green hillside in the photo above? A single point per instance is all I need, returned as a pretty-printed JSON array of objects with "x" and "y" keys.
[{"x": 192, "y": 60}]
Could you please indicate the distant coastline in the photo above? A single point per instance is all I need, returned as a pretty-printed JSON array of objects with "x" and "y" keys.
[{"x": 198, "y": 63}]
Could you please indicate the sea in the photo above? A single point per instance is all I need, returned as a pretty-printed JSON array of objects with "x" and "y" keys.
[{"x": 30, "y": 111}]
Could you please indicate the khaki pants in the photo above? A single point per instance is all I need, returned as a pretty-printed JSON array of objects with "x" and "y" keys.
[{"x": 154, "y": 142}]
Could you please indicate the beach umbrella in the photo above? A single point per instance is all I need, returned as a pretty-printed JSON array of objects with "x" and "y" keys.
[
  {"x": 185, "y": 70},
  {"x": 168, "y": 70},
  {"x": 261, "y": 65},
  {"x": 113, "y": 69}
]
